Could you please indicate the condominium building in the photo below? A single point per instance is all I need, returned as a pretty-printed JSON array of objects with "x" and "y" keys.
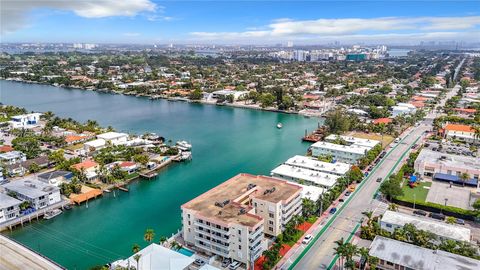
[
  {"x": 392, "y": 220},
  {"x": 350, "y": 140},
  {"x": 230, "y": 220},
  {"x": 397, "y": 255},
  {"x": 9, "y": 208},
  {"x": 337, "y": 168},
  {"x": 344, "y": 153},
  {"x": 39, "y": 194},
  {"x": 305, "y": 176}
]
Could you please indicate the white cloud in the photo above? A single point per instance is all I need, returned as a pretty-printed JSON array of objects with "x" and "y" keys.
[
  {"x": 350, "y": 27},
  {"x": 14, "y": 13}
]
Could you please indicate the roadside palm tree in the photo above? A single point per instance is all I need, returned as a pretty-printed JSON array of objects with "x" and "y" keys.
[
  {"x": 162, "y": 240},
  {"x": 340, "y": 251},
  {"x": 135, "y": 248},
  {"x": 464, "y": 177},
  {"x": 149, "y": 235},
  {"x": 392, "y": 207}
]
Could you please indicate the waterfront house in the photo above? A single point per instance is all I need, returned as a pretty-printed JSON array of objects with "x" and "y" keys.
[
  {"x": 56, "y": 177},
  {"x": 395, "y": 255},
  {"x": 230, "y": 219},
  {"x": 9, "y": 208},
  {"x": 89, "y": 167},
  {"x": 30, "y": 120},
  {"x": 114, "y": 138},
  {"x": 39, "y": 194},
  {"x": 6, "y": 148},
  {"x": 94, "y": 145},
  {"x": 126, "y": 166},
  {"x": 12, "y": 157},
  {"x": 393, "y": 220}
]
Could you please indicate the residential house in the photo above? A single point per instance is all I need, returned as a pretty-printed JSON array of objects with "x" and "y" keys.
[
  {"x": 89, "y": 167},
  {"x": 39, "y": 194},
  {"x": 30, "y": 120},
  {"x": 12, "y": 157},
  {"x": 9, "y": 208},
  {"x": 56, "y": 177}
]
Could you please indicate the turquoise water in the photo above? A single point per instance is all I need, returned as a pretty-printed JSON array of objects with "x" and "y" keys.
[
  {"x": 226, "y": 141},
  {"x": 186, "y": 252}
]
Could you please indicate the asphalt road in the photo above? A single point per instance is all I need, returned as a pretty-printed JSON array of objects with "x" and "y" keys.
[{"x": 321, "y": 254}]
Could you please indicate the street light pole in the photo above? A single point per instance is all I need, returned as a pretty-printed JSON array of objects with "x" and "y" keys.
[{"x": 414, "y": 197}]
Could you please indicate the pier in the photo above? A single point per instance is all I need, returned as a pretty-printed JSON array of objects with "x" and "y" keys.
[{"x": 315, "y": 136}]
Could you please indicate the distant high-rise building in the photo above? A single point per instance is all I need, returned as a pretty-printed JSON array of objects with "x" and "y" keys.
[{"x": 290, "y": 44}]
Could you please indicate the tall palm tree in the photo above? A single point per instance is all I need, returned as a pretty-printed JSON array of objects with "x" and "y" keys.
[
  {"x": 162, "y": 240},
  {"x": 135, "y": 248},
  {"x": 340, "y": 251},
  {"x": 350, "y": 251},
  {"x": 149, "y": 235},
  {"x": 464, "y": 177},
  {"x": 392, "y": 207},
  {"x": 137, "y": 259}
]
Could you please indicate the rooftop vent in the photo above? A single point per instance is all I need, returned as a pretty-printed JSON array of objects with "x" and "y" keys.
[
  {"x": 250, "y": 186},
  {"x": 242, "y": 211},
  {"x": 222, "y": 204}
]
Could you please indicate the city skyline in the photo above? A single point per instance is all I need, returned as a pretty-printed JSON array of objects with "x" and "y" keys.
[{"x": 239, "y": 22}]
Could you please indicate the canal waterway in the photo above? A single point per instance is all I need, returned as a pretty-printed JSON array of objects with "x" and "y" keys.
[{"x": 226, "y": 141}]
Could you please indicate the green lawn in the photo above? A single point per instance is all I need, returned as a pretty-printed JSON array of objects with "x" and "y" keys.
[
  {"x": 297, "y": 236},
  {"x": 420, "y": 191}
]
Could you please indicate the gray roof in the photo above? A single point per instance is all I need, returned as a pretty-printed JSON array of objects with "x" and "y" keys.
[
  {"x": 30, "y": 188},
  {"x": 419, "y": 258},
  {"x": 53, "y": 174},
  {"x": 7, "y": 201},
  {"x": 439, "y": 228},
  {"x": 446, "y": 159}
]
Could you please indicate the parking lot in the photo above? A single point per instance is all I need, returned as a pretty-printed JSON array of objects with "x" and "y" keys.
[
  {"x": 456, "y": 195},
  {"x": 452, "y": 148}
]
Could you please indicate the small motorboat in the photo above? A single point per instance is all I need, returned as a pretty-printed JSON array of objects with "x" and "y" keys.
[
  {"x": 184, "y": 145},
  {"x": 51, "y": 214},
  {"x": 107, "y": 190},
  {"x": 279, "y": 125},
  {"x": 67, "y": 207}
]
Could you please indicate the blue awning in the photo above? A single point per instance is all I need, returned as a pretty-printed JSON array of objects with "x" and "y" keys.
[
  {"x": 455, "y": 179},
  {"x": 413, "y": 178}
]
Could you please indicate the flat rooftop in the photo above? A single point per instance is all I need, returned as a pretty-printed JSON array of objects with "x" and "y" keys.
[
  {"x": 237, "y": 191},
  {"x": 30, "y": 187},
  {"x": 353, "y": 140},
  {"x": 319, "y": 178},
  {"x": 450, "y": 160},
  {"x": 416, "y": 257},
  {"x": 111, "y": 135},
  {"x": 7, "y": 201},
  {"x": 316, "y": 165},
  {"x": 436, "y": 227},
  {"x": 356, "y": 149}
]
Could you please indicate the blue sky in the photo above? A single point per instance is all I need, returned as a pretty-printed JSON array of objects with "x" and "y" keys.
[{"x": 238, "y": 22}]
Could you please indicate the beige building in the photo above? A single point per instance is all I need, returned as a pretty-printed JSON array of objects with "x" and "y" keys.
[{"x": 230, "y": 220}]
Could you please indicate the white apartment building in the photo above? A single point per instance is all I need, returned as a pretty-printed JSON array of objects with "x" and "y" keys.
[
  {"x": 397, "y": 255},
  {"x": 305, "y": 176},
  {"x": 38, "y": 193},
  {"x": 25, "y": 120},
  {"x": 9, "y": 208},
  {"x": 350, "y": 140},
  {"x": 392, "y": 220},
  {"x": 337, "y": 168},
  {"x": 230, "y": 220},
  {"x": 344, "y": 153},
  {"x": 114, "y": 138}
]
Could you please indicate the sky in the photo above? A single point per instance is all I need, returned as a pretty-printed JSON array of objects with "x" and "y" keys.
[{"x": 238, "y": 22}]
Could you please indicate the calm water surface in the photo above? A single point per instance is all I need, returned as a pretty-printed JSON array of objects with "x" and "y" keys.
[{"x": 226, "y": 141}]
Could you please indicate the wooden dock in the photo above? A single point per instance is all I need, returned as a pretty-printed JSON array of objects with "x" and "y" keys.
[{"x": 315, "y": 136}]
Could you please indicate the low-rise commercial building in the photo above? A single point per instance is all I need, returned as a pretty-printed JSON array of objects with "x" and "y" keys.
[
  {"x": 350, "y": 140},
  {"x": 230, "y": 220},
  {"x": 459, "y": 132},
  {"x": 9, "y": 208},
  {"x": 397, "y": 255},
  {"x": 447, "y": 167},
  {"x": 38, "y": 193},
  {"x": 392, "y": 220}
]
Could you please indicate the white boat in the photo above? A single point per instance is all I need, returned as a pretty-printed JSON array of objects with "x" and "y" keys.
[
  {"x": 107, "y": 190},
  {"x": 186, "y": 156},
  {"x": 52, "y": 214},
  {"x": 184, "y": 145},
  {"x": 279, "y": 125}
]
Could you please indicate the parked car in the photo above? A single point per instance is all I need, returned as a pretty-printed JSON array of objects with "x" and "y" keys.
[
  {"x": 225, "y": 262},
  {"x": 437, "y": 216},
  {"x": 347, "y": 193},
  {"x": 341, "y": 200},
  {"x": 379, "y": 179},
  {"x": 234, "y": 265},
  {"x": 460, "y": 221},
  {"x": 199, "y": 262},
  {"x": 420, "y": 212},
  {"x": 397, "y": 140},
  {"x": 333, "y": 210},
  {"x": 382, "y": 154},
  {"x": 307, "y": 239}
]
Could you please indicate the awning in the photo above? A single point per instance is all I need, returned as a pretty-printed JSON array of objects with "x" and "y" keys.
[{"x": 455, "y": 179}]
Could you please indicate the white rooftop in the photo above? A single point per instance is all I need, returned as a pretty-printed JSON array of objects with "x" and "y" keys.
[
  {"x": 436, "y": 227},
  {"x": 355, "y": 149},
  {"x": 111, "y": 135},
  {"x": 319, "y": 178},
  {"x": 7, "y": 201},
  {"x": 310, "y": 192},
  {"x": 419, "y": 258},
  {"x": 353, "y": 140},
  {"x": 30, "y": 187},
  {"x": 449, "y": 160},
  {"x": 95, "y": 143},
  {"x": 337, "y": 168}
]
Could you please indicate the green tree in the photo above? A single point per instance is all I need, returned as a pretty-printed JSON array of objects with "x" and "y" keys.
[
  {"x": 391, "y": 188},
  {"x": 141, "y": 158},
  {"x": 266, "y": 100},
  {"x": 135, "y": 248},
  {"x": 30, "y": 146},
  {"x": 464, "y": 177},
  {"x": 34, "y": 167},
  {"x": 149, "y": 235},
  {"x": 196, "y": 94}
]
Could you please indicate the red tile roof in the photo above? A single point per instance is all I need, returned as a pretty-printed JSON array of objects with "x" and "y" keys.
[
  {"x": 5, "y": 148},
  {"x": 382, "y": 121},
  {"x": 85, "y": 164},
  {"x": 458, "y": 127}
]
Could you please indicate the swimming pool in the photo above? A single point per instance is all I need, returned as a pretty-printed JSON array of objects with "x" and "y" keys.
[{"x": 186, "y": 252}]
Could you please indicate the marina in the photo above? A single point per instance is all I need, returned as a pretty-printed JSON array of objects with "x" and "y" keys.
[{"x": 223, "y": 146}]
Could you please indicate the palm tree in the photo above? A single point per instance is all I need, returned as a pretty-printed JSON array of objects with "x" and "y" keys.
[
  {"x": 464, "y": 177},
  {"x": 149, "y": 235},
  {"x": 340, "y": 251},
  {"x": 450, "y": 220},
  {"x": 137, "y": 259},
  {"x": 476, "y": 135},
  {"x": 163, "y": 239},
  {"x": 350, "y": 251},
  {"x": 135, "y": 248},
  {"x": 392, "y": 207}
]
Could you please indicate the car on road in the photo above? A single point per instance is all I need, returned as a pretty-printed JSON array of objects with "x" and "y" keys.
[
  {"x": 199, "y": 262},
  {"x": 307, "y": 239},
  {"x": 341, "y": 200},
  {"x": 347, "y": 193},
  {"x": 397, "y": 140},
  {"x": 234, "y": 265},
  {"x": 382, "y": 154},
  {"x": 333, "y": 210},
  {"x": 420, "y": 213},
  {"x": 460, "y": 221},
  {"x": 379, "y": 179},
  {"x": 437, "y": 216}
]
